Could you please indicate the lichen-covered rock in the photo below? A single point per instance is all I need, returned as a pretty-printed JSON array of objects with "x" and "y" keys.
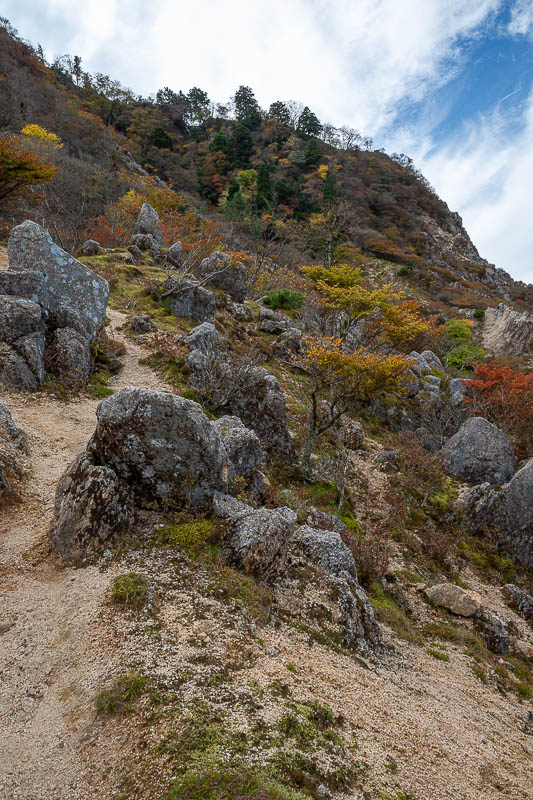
[
  {"x": 148, "y": 224},
  {"x": 458, "y": 390},
  {"x": 175, "y": 255},
  {"x": 520, "y": 601},
  {"x": 350, "y": 433},
  {"x": 274, "y": 322},
  {"x": 432, "y": 360},
  {"x": 261, "y": 406},
  {"x": 322, "y": 521},
  {"x": 145, "y": 242},
  {"x": 141, "y": 323},
  {"x": 69, "y": 358},
  {"x": 419, "y": 365},
  {"x": 244, "y": 453},
  {"x": 92, "y": 505},
  {"x": 162, "y": 445},
  {"x": 204, "y": 337},
  {"x": 495, "y": 634},
  {"x": 257, "y": 542},
  {"x": 61, "y": 285},
  {"x": 326, "y": 551},
  {"x": 189, "y": 300},
  {"x": 480, "y": 452},
  {"x": 514, "y": 516},
  {"x": 230, "y": 278},
  {"x": 90, "y": 248},
  {"x": 22, "y": 344},
  {"x": 452, "y": 597}
]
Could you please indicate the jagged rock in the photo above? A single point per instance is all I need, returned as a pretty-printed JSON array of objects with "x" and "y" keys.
[
  {"x": 495, "y": 634},
  {"x": 452, "y": 597},
  {"x": 148, "y": 224},
  {"x": 92, "y": 504},
  {"x": 432, "y": 360},
  {"x": 508, "y": 331},
  {"x": 228, "y": 507},
  {"x": 519, "y": 600},
  {"x": 10, "y": 431},
  {"x": 480, "y": 452},
  {"x": 198, "y": 363},
  {"x": 230, "y": 278},
  {"x": 141, "y": 323},
  {"x": 90, "y": 248},
  {"x": 162, "y": 445},
  {"x": 22, "y": 344},
  {"x": 420, "y": 364},
  {"x": 189, "y": 300},
  {"x": 273, "y": 322},
  {"x": 204, "y": 337},
  {"x": 288, "y": 343},
  {"x": 261, "y": 406},
  {"x": 458, "y": 390},
  {"x": 61, "y": 285},
  {"x": 128, "y": 258},
  {"x": 514, "y": 515},
  {"x": 433, "y": 381},
  {"x": 69, "y": 357},
  {"x": 244, "y": 453},
  {"x": 386, "y": 457},
  {"x": 175, "y": 255},
  {"x": 327, "y": 552},
  {"x": 145, "y": 242},
  {"x": 257, "y": 542}
]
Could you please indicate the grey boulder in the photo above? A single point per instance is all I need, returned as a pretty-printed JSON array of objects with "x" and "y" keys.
[
  {"x": 92, "y": 505},
  {"x": 480, "y": 452},
  {"x": 189, "y": 300},
  {"x": 162, "y": 445},
  {"x": 204, "y": 338},
  {"x": 69, "y": 358},
  {"x": 175, "y": 255},
  {"x": 222, "y": 274},
  {"x": 66, "y": 287},
  {"x": 244, "y": 454},
  {"x": 90, "y": 248},
  {"x": 520, "y": 601},
  {"x": 257, "y": 542},
  {"x": 141, "y": 323},
  {"x": 148, "y": 224}
]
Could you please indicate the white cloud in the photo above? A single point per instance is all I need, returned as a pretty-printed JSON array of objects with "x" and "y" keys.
[{"x": 521, "y": 18}]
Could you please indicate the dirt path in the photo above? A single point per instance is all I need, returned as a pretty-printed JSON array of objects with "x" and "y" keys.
[{"x": 50, "y": 666}]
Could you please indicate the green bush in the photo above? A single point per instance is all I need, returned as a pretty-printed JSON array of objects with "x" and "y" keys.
[
  {"x": 479, "y": 313},
  {"x": 130, "y": 589},
  {"x": 284, "y": 298},
  {"x": 404, "y": 270},
  {"x": 459, "y": 331},
  {"x": 462, "y": 355}
]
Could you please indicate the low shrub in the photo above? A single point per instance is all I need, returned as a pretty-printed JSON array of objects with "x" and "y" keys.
[{"x": 284, "y": 298}]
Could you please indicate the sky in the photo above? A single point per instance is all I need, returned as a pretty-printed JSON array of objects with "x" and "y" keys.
[{"x": 449, "y": 82}]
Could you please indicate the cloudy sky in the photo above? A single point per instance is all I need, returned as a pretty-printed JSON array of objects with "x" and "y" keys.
[{"x": 450, "y": 82}]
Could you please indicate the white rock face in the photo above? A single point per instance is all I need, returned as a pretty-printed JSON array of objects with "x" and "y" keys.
[{"x": 508, "y": 331}]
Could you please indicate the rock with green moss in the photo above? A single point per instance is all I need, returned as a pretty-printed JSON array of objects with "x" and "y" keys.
[{"x": 480, "y": 452}]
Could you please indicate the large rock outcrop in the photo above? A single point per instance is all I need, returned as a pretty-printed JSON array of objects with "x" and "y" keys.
[
  {"x": 480, "y": 452},
  {"x": 508, "y": 331},
  {"x": 51, "y": 309},
  {"x": 148, "y": 448},
  {"x": 508, "y": 511}
]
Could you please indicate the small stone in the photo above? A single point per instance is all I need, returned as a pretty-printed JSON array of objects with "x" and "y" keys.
[{"x": 452, "y": 597}]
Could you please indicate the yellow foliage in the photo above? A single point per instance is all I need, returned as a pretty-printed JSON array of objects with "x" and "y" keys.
[
  {"x": 323, "y": 171},
  {"x": 361, "y": 373},
  {"x": 42, "y": 135}
]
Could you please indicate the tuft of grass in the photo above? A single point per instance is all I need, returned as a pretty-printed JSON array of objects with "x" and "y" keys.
[
  {"x": 98, "y": 387},
  {"x": 438, "y": 654},
  {"x": 119, "y": 698},
  {"x": 389, "y": 613},
  {"x": 192, "y": 536},
  {"x": 479, "y": 672},
  {"x": 130, "y": 589}
]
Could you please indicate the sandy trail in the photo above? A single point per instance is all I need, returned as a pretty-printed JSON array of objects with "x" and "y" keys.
[{"x": 50, "y": 666}]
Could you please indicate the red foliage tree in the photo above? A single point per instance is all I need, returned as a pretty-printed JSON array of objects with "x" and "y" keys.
[{"x": 505, "y": 397}]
